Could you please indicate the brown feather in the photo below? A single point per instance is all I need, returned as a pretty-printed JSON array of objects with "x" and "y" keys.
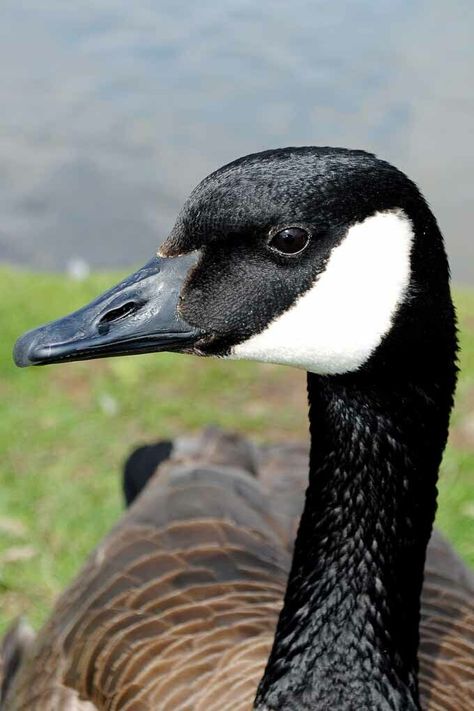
[{"x": 176, "y": 608}]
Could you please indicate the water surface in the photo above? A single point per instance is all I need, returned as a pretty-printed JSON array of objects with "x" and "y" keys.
[{"x": 112, "y": 110}]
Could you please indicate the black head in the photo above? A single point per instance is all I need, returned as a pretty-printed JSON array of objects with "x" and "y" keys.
[
  {"x": 322, "y": 258},
  {"x": 238, "y": 219}
]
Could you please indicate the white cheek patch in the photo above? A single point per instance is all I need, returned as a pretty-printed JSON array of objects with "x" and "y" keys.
[{"x": 337, "y": 324}]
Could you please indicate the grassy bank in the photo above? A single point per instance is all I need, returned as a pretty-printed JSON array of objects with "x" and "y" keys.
[{"x": 65, "y": 430}]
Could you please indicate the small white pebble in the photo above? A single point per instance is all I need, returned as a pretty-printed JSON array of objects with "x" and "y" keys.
[
  {"x": 108, "y": 404},
  {"x": 78, "y": 269}
]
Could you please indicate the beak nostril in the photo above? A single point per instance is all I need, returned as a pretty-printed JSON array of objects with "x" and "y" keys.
[{"x": 115, "y": 315}]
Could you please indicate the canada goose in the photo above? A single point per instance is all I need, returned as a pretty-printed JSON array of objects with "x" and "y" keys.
[{"x": 328, "y": 260}]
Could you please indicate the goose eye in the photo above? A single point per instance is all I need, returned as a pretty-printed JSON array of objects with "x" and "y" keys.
[{"x": 290, "y": 240}]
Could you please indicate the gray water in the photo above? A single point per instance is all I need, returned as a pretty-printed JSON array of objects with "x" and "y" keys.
[{"x": 113, "y": 109}]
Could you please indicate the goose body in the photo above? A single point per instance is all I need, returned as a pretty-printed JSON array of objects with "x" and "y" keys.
[
  {"x": 331, "y": 261},
  {"x": 181, "y": 599}
]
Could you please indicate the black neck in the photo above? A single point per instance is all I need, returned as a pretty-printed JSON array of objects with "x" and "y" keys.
[{"x": 347, "y": 636}]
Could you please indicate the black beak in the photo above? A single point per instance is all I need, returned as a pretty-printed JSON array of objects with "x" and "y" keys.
[{"x": 139, "y": 315}]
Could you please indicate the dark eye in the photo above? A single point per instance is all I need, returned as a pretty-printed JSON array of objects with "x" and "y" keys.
[{"x": 290, "y": 240}]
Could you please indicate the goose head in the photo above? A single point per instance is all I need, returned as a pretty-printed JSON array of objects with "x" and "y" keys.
[{"x": 320, "y": 258}]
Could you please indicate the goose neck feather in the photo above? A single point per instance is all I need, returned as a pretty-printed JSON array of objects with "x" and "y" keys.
[{"x": 353, "y": 600}]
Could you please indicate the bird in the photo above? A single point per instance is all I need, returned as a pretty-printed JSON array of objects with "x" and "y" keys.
[{"x": 208, "y": 594}]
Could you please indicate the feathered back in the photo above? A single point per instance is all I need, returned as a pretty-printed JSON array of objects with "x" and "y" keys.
[{"x": 177, "y": 607}]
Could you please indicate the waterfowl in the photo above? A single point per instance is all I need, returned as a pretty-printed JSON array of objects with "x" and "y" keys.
[{"x": 328, "y": 260}]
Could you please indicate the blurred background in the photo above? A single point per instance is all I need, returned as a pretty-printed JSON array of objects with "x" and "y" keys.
[{"x": 111, "y": 112}]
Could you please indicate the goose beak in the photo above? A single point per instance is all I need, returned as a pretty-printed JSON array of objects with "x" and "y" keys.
[{"x": 138, "y": 315}]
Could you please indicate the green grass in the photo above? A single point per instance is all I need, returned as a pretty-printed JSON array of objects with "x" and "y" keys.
[{"x": 65, "y": 431}]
